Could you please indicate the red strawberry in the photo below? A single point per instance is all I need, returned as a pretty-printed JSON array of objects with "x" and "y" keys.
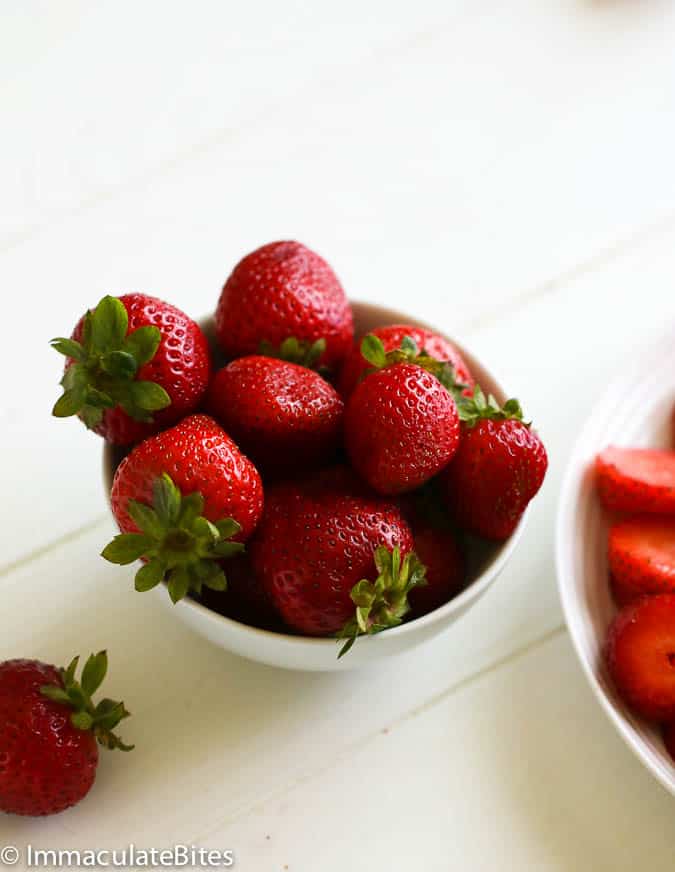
[
  {"x": 49, "y": 728},
  {"x": 401, "y": 424},
  {"x": 637, "y": 480},
  {"x": 178, "y": 497},
  {"x": 642, "y": 557},
  {"x": 282, "y": 415},
  {"x": 135, "y": 366},
  {"x": 314, "y": 553},
  {"x": 279, "y": 291},
  {"x": 499, "y": 467},
  {"x": 668, "y": 731},
  {"x": 438, "y": 551},
  {"x": 431, "y": 345},
  {"x": 640, "y": 655}
]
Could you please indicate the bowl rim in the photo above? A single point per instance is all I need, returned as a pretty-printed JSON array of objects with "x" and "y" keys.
[
  {"x": 477, "y": 587},
  {"x": 573, "y": 609}
]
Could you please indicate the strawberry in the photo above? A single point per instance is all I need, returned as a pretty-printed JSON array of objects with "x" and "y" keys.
[
  {"x": 640, "y": 656},
  {"x": 49, "y": 729},
  {"x": 642, "y": 557},
  {"x": 178, "y": 498},
  {"x": 668, "y": 731},
  {"x": 431, "y": 344},
  {"x": 439, "y": 552},
  {"x": 281, "y": 414},
  {"x": 279, "y": 291},
  {"x": 335, "y": 558},
  {"x": 135, "y": 365},
  {"x": 499, "y": 467},
  {"x": 401, "y": 423},
  {"x": 636, "y": 480}
]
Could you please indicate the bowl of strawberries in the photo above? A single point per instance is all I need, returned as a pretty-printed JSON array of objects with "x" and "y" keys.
[
  {"x": 616, "y": 556},
  {"x": 307, "y": 481}
]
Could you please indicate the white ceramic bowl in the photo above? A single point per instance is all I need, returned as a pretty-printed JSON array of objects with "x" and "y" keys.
[
  {"x": 305, "y": 653},
  {"x": 635, "y": 411}
]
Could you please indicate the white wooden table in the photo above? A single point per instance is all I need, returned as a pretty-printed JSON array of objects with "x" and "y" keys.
[{"x": 504, "y": 170}]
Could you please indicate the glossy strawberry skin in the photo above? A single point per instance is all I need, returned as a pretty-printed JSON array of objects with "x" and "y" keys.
[
  {"x": 440, "y": 553},
  {"x": 401, "y": 428},
  {"x": 316, "y": 540},
  {"x": 281, "y": 414},
  {"x": 391, "y": 336},
  {"x": 641, "y": 555},
  {"x": 281, "y": 290},
  {"x": 182, "y": 366},
  {"x": 46, "y": 764},
  {"x": 640, "y": 656},
  {"x": 636, "y": 480},
  {"x": 498, "y": 468},
  {"x": 199, "y": 456}
]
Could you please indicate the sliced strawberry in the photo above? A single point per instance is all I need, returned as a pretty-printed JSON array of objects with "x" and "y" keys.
[
  {"x": 642, "y": 557},
  {"x": 640, "y": 655},
  {"x": 622, "y": 594},
  {"x": 637, "y": 480}
]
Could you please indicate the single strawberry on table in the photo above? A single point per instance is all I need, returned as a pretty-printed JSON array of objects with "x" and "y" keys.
[
  {"x": 284, "y": 416},
  {"x": 178, "y": 498},
  {"x": 428, "y": 343},
  {"x": 401, "y": 423},
  {"x": 134, "y": 366},
  {"x": 284, "y": 290},
  {"x": 49, "y": 730},
  {"x": 641, "y": 555},
  {"x": 334, "y": 558},
  {"x": 636, "y": 480},
  {"x": 640, "y": 656},
  {"x": 499, "y": 467}
]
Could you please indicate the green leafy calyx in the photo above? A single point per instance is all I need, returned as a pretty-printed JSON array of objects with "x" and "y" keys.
[
  {"x": 106, "y": 365},
  {"x": 293, "y": 350},
  {"x": 383, "y": 603},
  {"x": 372, "y": 350},
  {"x": 478, "y": 407},
  {"x": 177, "y": 542},
  {"x": 102, "y": 718}
]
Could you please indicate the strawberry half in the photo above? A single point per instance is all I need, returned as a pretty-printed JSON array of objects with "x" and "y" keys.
[
  {"x": 642, "y": 557},
  {"x": 49, "y": 729},
  {"x": 636, "y": 480},
  {"x": 178, "y": 498},
  {"x": 640, "y": 656},
  {"x": 135, "y": 365}
]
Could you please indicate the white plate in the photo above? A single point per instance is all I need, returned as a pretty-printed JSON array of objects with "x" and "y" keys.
[{"x": 637, "y": 410}]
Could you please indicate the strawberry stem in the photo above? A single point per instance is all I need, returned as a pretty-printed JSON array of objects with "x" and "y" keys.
[
  {"x": 372, "y": 350},
  {"x": 105, "y": 367},
  {"x": 177, "y": 542},
  {"x": 100, "y": 719},
  {"x": 383, "y": 603}
]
